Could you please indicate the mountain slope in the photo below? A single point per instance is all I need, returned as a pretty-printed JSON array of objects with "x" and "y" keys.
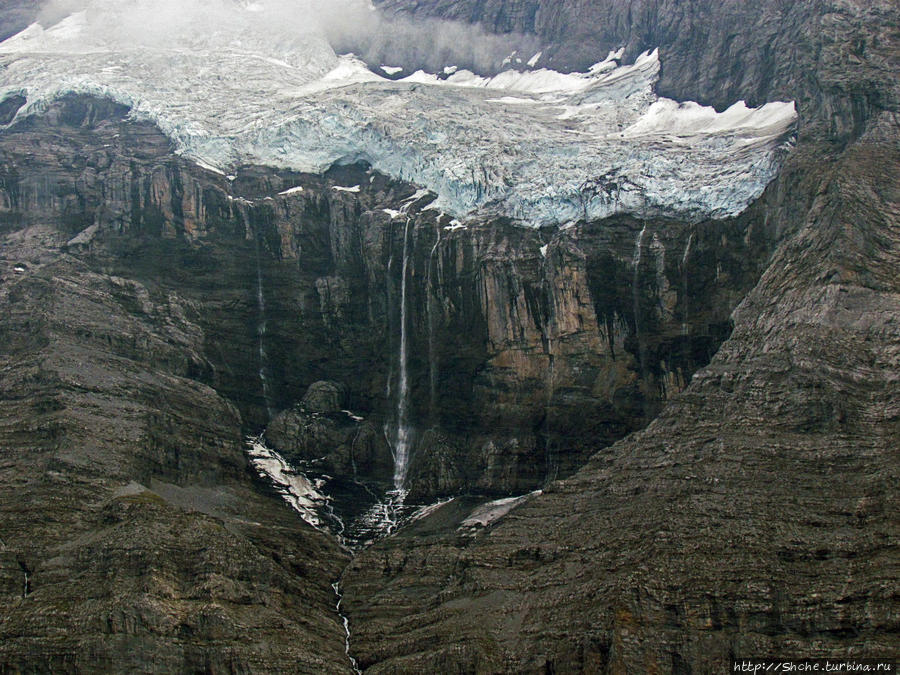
[{"x": 755, "y": 515}]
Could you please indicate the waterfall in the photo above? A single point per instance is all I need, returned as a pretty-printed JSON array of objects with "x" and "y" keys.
[
  {"x": 261, "y": 335},
  {"x": 340, "y": 598},
  {"x": 432, "y": 358},
  {"x": 636, "y": 298},
  {"x": 684, "y": 285},
  {"x": 402, "y": 437}
]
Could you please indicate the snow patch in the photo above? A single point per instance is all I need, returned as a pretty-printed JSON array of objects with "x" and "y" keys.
[
  {"x": 340, "y": 188},
  {"x": 425, "y": 511},
  {"x": 488, "y": 513},
  {"x": 85, "y": 236},
  {"x": 291, "y": 191}
]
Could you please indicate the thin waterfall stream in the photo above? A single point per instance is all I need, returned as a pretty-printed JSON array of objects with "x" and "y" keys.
[
  {"x": 261, "y": 335},
  {"x": 432, "y": 338},
  {"x": 402, "y": 434},
  {"x": 636, "y": 299},
  {"x": 685, "y": 318}
]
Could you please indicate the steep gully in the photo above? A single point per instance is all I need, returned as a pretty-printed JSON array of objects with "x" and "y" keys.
[{"x": 532, "y": 339}]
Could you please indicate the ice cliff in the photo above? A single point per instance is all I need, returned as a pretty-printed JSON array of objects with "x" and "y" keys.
[{"x": 235, "y": 83}]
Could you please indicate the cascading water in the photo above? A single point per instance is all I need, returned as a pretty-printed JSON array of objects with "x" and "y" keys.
[
  {"x": 261, "y": 336},
  {"x": 636, "y": 299},
  {"x": 432, "y": 338},
  {"x": 684, "y": 285},
  {"x": 402, "y": 433},
  {"x": 346, "y": 621}
]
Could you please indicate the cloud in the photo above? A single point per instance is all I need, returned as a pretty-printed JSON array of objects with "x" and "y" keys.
[{"x": 348, "y": 25}]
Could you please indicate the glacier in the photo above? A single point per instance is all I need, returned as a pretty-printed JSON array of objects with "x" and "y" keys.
[{"x": 234, "y": 83}]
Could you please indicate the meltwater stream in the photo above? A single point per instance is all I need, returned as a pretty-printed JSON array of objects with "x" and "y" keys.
[
  {"x": 261, "y": 336},
  {"x": 636, "y": 299},
  {"x": 685, "y": 316},
  {"x": 401, "y": 444},
  {"x": 340, "y": 599}
]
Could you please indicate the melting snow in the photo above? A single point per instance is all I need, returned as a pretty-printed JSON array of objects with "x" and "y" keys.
[
  {"x": 541, "y": 146},
  {"x": 425, "y": 511},
  {"x": 292, "y": 191},
  {"x": 296, "y": 488},
  {"x": 488, "y": 513},
  {"x": 340, "y": 188}
]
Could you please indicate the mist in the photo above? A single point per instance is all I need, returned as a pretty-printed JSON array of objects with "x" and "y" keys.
[
  {"x": 430, "y": 44},
  {"x": 349, "y": 26}
]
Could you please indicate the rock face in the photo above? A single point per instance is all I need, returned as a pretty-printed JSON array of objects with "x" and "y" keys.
[
  {"x": 836, "y": 58},
  {"x": 16, "y": 15}
]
